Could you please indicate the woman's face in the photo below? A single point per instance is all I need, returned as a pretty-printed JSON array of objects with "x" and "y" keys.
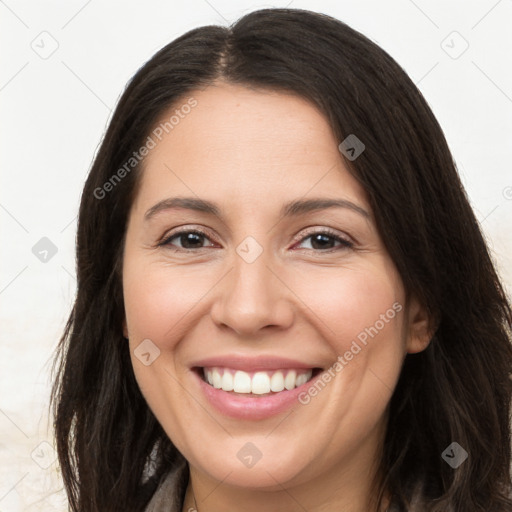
[{"x": 271, "y": 292}]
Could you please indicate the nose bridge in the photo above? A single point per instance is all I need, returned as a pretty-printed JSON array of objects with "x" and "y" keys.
[{"x": 251, "y": 296}]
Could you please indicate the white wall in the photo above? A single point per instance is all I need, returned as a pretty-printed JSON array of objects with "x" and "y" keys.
[{"x": 55, "y": 109}]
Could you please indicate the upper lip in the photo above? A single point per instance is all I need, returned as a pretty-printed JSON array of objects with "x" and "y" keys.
[{"x": 252, "y": 363}]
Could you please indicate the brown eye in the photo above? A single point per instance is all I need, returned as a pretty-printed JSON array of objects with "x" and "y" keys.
[
  {"x": 325, "y": 241},
  {"x": 188, "y": 240}
]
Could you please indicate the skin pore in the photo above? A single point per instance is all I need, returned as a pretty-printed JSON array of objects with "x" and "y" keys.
[{"x": 305, "y": 297}]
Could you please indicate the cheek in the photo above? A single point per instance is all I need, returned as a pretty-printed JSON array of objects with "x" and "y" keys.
[
  {"x": 353, "y": 303},
  {"x": 160, "y": 306},
  {"x": 359, "y": 312},
  {"x": 160, "y": 300}
]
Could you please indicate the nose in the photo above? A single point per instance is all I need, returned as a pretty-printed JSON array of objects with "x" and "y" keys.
[{"x": 252, "y": 297}]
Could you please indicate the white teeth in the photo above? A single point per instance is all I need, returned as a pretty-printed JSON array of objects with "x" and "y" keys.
[
  {"x": 217, "y": 379},
  {"x": 259, "y": 383},
  {"x": 277, "y": 382},
  {"x": 227, "y": 381},
  {"x": 301, "y": 379},
  {"x": 242, "y": 382},
  {"x": 289, "y": 381}
]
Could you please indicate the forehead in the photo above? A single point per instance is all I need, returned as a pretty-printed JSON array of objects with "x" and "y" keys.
[{"x": 251, "y": 144}]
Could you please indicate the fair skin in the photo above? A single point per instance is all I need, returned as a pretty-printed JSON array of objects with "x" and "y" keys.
[{"x": 250, "y": 152}]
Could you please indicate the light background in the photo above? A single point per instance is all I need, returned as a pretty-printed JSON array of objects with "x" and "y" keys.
[{"x": 54, "y": 111}]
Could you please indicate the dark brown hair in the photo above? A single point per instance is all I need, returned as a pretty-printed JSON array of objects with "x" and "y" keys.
[{"x": 111, "y": 448}]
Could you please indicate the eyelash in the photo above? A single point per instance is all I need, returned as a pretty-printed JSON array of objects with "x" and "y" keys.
[{"x": 345, "y": 244}]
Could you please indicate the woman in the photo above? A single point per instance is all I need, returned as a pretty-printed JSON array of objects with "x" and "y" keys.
[{"x": 284, "y": 298}]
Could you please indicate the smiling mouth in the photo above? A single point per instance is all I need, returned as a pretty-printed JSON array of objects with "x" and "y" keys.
[{"x": 258, "y": 383}]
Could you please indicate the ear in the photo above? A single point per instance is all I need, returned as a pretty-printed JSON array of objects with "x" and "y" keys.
[{"x": 419, "y": 327}]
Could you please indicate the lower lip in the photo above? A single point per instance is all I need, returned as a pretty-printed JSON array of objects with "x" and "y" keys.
[{"x": 246, "y": 407}]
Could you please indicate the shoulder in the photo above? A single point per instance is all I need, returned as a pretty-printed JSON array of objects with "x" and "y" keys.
[{"x": 170, "y": 492}]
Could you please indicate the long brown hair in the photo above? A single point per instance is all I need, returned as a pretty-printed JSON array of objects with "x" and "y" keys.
[{"x": 111, "y": 448}]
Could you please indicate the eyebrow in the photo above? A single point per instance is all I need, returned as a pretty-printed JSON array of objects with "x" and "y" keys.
[{"x": 291, "y": 209}]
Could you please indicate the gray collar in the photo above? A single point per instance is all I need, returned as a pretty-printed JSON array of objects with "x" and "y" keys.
[{"x": 170, "y": 493}]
